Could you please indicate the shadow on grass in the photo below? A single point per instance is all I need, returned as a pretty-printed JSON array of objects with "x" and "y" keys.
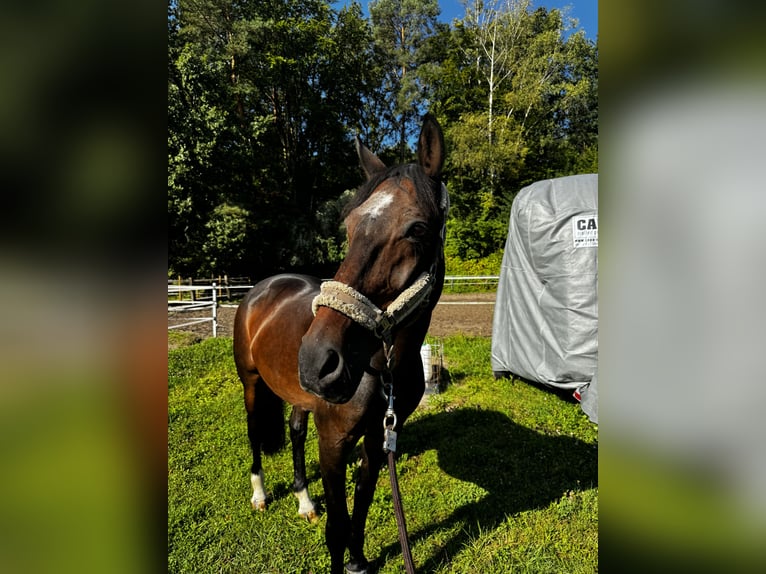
[
  {"x": 520, "y": 469},
  {"x": 565, "y": 395}
]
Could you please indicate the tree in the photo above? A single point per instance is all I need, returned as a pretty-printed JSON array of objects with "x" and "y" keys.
[
  {"x": 263, "y": 100},
  {"x": 522, "y": 103},
  {"x": 228, "y": 231},
  {"x": 559, "y": 100},
  {"x": 400, "y": 32},
  {"x": 498, "y": 28}
]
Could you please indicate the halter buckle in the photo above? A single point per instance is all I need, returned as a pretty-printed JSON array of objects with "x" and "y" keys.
[{"x": 384, "y": 324}]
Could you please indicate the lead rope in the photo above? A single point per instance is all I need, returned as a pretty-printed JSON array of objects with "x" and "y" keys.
[{"x": 389, "y": 447}]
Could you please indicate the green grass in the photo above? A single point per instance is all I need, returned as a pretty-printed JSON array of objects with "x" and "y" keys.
[
  {"x": 495, "y": 477},
  {"x": 181, "y": 339}
]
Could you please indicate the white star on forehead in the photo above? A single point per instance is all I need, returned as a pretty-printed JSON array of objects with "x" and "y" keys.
[{"x": 376, "y": 204}]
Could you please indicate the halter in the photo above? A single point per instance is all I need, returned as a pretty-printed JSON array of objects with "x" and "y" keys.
[{"x": 357, "y": 307}]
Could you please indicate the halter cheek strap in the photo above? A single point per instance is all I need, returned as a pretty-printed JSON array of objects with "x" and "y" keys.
[{"x": 360, "y": 309}]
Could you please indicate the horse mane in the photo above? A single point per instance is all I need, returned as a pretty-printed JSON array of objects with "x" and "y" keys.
[{"x": 428, "y": 189}]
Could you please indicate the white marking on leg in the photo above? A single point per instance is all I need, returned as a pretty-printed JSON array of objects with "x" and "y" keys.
[
  {"x": 305, "y": 505},
  {"x": 259, "y": 494}
]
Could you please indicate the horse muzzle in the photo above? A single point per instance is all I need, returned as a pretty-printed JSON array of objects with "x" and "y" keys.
[{"x": 323, "y": 371}]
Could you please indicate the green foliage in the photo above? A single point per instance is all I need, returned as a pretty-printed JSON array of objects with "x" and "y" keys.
[
  {"x": 331, "y": 234},
  {"x": 470, "y": 239},
  {"x": 495, "y": 476},
  {"x": 522, "y": 108},
  {"x": 264, "y": 98},
  {"x": 481, "y": 164},
  {"x": 489, "y": 265},
  {"x": 228, "y": 231},
  {"x": 400, "y": 31}
]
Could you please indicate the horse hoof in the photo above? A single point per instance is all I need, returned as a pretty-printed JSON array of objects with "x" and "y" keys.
[
  {"x": 311, "y": 517},
  {"x": 259, "y": 505},
  {"x": 355, "y": 568}
]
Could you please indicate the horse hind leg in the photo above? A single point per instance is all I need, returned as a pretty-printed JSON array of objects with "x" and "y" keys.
[
  {"x": 298, "y": 428},
  {"x": 265, "y": 430},
  {"x": 258, "y": 500}
]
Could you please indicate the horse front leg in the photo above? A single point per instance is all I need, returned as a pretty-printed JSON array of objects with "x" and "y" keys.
[
  {"x": 298, "y": 427},
  {"x": 332, "y": 462},
  {"x": 372, "y": 460}
]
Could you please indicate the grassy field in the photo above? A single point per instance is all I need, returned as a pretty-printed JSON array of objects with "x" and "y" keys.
[{"x": 495, "y": 477}]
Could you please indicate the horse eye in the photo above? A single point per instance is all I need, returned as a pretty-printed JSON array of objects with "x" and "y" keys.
[{"x": 417, "y": 230}]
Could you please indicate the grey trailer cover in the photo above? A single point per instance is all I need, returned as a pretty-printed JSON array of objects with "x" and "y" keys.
[{"x": 545, "y": 326}]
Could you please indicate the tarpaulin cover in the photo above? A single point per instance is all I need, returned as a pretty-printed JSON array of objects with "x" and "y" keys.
[{"x": 545, "y": 326}]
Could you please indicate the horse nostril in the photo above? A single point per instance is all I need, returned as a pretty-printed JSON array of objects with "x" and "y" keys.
[{"x": 331, "y": 364}]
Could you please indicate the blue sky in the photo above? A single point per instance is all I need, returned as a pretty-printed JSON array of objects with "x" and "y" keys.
[{"x": 586, "y": 11}]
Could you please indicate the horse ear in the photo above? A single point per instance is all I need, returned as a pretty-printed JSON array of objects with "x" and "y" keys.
[
  {"x": 431, "y": 147},
  {"x": 371, "y": 163}
]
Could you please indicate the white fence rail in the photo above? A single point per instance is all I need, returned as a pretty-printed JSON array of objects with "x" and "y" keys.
[
  {"x": 195, "y": 304},
  {"x": 179, "y": 306},
  {"x": 471, "y": 281}
]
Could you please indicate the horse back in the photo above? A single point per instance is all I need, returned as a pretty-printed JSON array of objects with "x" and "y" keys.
[{"x": 268, "y": 327}]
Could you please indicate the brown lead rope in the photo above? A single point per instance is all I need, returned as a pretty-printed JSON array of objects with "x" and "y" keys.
[
  {"x": 409, "y": 566},
  {"x": 389, "y": 447}
]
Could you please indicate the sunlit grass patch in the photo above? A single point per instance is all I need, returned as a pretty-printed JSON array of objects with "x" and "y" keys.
[{"x": 496, "y": 476}]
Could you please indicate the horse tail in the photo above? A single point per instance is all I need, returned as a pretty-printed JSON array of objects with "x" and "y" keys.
[{"x": 269, "y": 416}]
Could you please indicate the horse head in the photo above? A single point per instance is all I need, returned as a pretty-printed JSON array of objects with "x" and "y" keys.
[{"x": 395, "y": 226}]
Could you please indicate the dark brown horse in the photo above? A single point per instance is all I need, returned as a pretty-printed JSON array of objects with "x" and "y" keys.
[{"x": 323, "y": 348}]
